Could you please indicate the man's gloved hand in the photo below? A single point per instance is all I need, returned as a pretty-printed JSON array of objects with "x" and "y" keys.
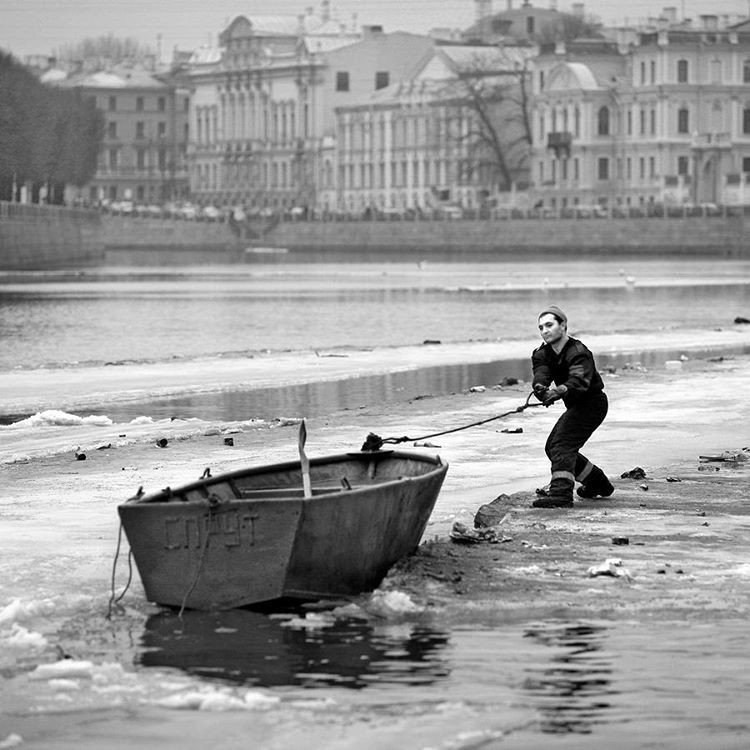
[
  {"x": 553, "y": 394},
  {"x": 539, "y": 391}
]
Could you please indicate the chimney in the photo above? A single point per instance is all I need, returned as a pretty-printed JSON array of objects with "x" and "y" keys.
[
  {"x": 577, "y": 9},
  {"x": 510, "y": 4},
  {"x": 325, "y": 11},
  {"x": 670, "y": 14}
]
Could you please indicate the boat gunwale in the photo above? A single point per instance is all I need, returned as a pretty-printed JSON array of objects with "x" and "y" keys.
[{"x": 205, "y": 482}]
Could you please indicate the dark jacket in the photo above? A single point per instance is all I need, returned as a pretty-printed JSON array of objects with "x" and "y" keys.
[{"x": 573, "y": 367}]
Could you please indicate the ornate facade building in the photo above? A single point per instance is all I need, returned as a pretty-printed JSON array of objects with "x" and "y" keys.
[
  {"x": 262, "y": 115},
  {"x": 660, "y": 116}
]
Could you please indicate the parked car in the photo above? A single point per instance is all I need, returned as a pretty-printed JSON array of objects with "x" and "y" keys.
[
  {"x": 210, "y": 213},
  {"x": 449, "y": 211},
  {"x": 171, "y": 210},
  {"x": 188, "y": 211},
  {"x": 154, "y": 211}
]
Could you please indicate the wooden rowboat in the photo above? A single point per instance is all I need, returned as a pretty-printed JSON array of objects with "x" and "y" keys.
[{"x": 255, "y": 535}]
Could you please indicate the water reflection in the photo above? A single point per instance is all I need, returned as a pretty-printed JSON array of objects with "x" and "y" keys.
[
  {"x": 251, "y": 648},
  {"x": 573, "y": 690},
  {"x": 321, "y": 398}
]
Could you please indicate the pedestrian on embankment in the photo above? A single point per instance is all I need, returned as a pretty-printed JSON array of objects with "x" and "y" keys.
[{"x": 564, "y": 369}]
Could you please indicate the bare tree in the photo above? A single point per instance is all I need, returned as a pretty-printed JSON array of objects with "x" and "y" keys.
[
  {"x": 570, "y": 26},
  {"x": 108, "y": 48},
  {"x": 490, "y": 122}
]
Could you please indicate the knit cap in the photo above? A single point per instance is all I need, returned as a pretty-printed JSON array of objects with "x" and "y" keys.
[{"x": 554, "y": 310}]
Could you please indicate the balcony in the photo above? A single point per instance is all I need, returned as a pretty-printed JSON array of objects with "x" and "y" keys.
[
  {"x": 560, "y": 142},
  {"x": 711, "y": 141}
]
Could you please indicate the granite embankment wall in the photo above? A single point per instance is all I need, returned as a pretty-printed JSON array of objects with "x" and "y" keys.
[
  {"x": 716, "y": 234},
  {"x": 34, "y": 237},
  {"x": 48, "y": 237},
  {"x": 721, "y": 235}
]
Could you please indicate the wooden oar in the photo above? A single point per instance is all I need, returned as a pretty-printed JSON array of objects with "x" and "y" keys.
[{"x": 304, "y": 462}]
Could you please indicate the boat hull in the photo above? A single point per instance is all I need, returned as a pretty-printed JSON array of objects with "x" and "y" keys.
[{"x": 251, "y": 536}]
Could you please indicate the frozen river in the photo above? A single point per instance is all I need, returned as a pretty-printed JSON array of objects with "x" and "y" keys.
[{"x": 183, "y": 350}]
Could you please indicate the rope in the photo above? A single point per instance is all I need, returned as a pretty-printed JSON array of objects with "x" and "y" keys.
[
  {"x": 374, "y": 442},
  {"x": 204, "y": 547},
  {"x": 112, "y": 598}
]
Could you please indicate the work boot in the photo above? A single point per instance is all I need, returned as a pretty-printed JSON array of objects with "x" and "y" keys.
[
  {"x": 553, "y": 501},
  {"x": 597, "y": 486}
]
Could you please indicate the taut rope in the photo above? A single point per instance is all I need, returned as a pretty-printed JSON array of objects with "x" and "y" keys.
[{"x": 375, "y": 442}]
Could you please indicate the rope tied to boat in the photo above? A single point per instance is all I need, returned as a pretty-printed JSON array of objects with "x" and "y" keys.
[
  {"x": 213, "y": 502},
  {"x": 374, "y": 442},
  {"x": 113, "y": 598}
]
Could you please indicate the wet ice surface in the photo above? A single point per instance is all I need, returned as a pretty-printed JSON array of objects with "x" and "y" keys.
[{"x": 383, "y": 676}]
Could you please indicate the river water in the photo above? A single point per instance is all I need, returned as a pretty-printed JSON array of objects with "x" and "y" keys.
[{"x": 279, "y": 679}]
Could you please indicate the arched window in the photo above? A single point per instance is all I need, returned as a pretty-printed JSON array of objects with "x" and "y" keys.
[
  {"x": 577, "y": 122},
  {"x": 603, "y": 121}
]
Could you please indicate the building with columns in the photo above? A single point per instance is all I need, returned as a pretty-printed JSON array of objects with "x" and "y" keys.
[
  {"x": 262, "y": 114},
  {"x": 409, "y": 146}
]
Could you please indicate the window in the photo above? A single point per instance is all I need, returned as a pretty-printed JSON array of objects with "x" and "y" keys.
[
  {"x": 653, "y": 71},
  {"x": 651, "y": 166},
  {"x": 643, "y": 72},
  {"x": 643, "y": 122},
  {"x": 603, "y": 121},
  {"x": 682, "y": 164},
  {"x": 541, "y": 78},
  {"x": 746, "y": 121},
  {"x": 113, "y": 158},
  {"x": 529, "y": 25},
  {"x": 630, "y": 122},
  {"x": 139, "y": 104},
  {"x": 140, "y": 130},
  {"x": 111, "y": 130},
  {"x": 342, "y": 81},
  {"x": 141, "y": 158},
  {"x": 746, "y": 71},
  {"x": 683, "y": 120},
  {"x": 162, "y": 159},
  {"x": 746, "y": 163},
  {"x": 186, "y": 104},
  {"x": 161, "y": 129},
  {"x": 682, "y": 71},
  {"x": 161, "y": 104},
  {"x": 603, "y": 168},
  {"x": 382, "y": 79},
  {"x": 653, "y": 122},
  {"x": 715, "y": 71},
  {"x": 112, "y": 103}
]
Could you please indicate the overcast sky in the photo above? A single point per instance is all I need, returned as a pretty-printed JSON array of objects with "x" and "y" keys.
[{"x": 41, "y": 26}]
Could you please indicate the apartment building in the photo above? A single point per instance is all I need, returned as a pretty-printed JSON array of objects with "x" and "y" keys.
[
  {"x": 661, "y": 115},
  {"x": 144, "y": 151},
  {"x": 414, "y": 145}
]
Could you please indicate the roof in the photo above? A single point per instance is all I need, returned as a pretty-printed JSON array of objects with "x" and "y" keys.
[
  {"x": 571, "y": 75},
  {"x": 118, "y": 78}
]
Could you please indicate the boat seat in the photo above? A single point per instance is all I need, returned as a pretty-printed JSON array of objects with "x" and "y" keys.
[{"x": 260, "y": 492}]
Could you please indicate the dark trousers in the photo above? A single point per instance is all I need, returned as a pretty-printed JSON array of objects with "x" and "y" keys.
[{"x": 568, "y": 436}]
